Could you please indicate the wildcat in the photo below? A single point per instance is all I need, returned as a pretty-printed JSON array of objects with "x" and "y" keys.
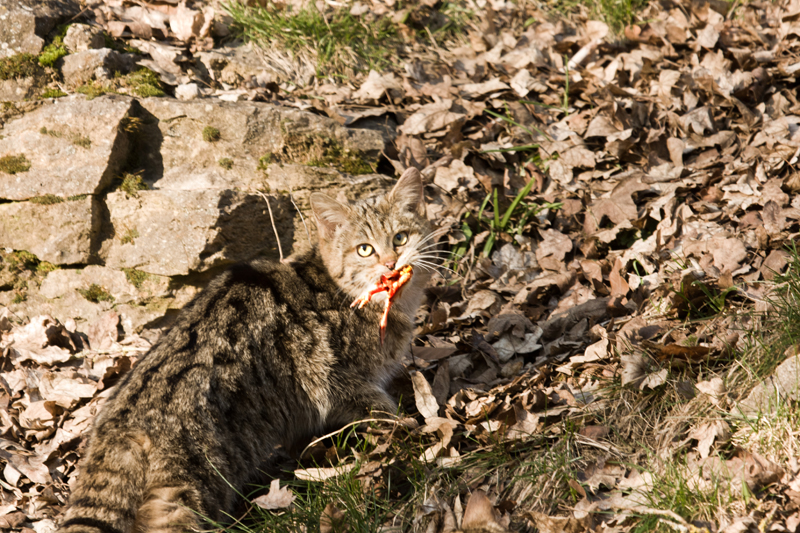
[{"x": 267, "y": 356}]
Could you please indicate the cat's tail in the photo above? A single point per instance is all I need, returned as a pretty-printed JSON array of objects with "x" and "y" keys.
[{"x": 111, "y": 484}]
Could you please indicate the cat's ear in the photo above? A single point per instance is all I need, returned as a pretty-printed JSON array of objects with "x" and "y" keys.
[
  {"x": 329, "y": 213},
  {"x": 407, "y": 192}
]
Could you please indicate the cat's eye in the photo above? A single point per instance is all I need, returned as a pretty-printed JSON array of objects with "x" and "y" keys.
[
  {"x": 400, "y": 239},
  {"x": 365, "y": 250}
]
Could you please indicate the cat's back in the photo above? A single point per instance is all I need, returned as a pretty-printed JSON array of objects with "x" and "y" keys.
[{"x": 259, "y": 326}]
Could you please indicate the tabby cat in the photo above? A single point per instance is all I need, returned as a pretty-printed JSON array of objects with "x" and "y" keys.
[{"x": 267, "y": 356}]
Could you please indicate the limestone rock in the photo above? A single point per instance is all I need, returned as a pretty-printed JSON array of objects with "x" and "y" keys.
[
  {"x": 25, "y": 23},
  {"x": 303, "y": 180},
  {"x": 168, "y": 232},
  {"x": 188, "y": 91},
  {"x": 784, "y": 383},
  {"x": 74, "y": 147},
  {"x": 175, "y": 156},
  {"x": 71, "y": 305},
  {"x": 82, "y": 37},
  {"x": 135, "y": 317},
  {"x": 114, "y": 282},
  {"x": 88, "y": 65},
  {"x": 17, "y": 90},
  {"x": 61, "y": 233}
]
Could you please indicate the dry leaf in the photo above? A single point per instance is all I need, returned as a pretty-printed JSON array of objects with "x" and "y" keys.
[
  {"x": 423, "y": 396},
  {"x": 277, "y": 498}
]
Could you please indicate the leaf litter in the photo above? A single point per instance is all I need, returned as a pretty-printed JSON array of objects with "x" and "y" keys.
[{"x": 650, "y": 184}]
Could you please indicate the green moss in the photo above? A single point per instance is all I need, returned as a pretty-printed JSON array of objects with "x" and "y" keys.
[
  {"x": 95, "y": 293},
  {"x": 53, "y": 52},
  {"x": 53, "y": 93},
  {"x": 144, "y": 82},
  {"x": 83, "y": 142},
  {"x": 93, "y": 90},
  {"x": 47, "y": 199},
  {"x": 44, "y": 131},
  {"x": 77, "y": 197},
  {"x": 19, "y": 298},
  {"x": 18, "y": 66},
  {"x": 226, "y": 163},
  {"x": 211, "y": 134},
  {"x": 130, "y": 236},
  {"x": 44, "y": 268},
  {"x": 131, "y": 185},
  {"x": 265, "y": 161},
  {"x": 330, "y": 153},
  {"x": 12, "y": 164},
  {"x": 132, "y": 125},
  {"x": 136, "y": 277},
  {"x": 22, "y": 260}
]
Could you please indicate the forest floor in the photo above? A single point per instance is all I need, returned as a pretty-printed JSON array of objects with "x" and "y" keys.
[{"x": 612, "y": 342}]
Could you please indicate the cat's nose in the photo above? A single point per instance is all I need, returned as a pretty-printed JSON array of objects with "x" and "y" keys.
[{"x": 390, "y": 264}]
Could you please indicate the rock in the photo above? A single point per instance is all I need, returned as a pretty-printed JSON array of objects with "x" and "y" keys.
[
  {"x": 82, "y": 37},
  {"x": 237, "y": 64},
  {"x": 74, "y": 147},
  {"x": 782, "y": 386},
  {"x": 25, "y": 23},
  {"x": 135, "y": 317},
  {"x": 189, "y": 91},
  {"x": 169, "y": 232},
  {"x": 86, "y": 66},
  {"x": 114, "y": 282},
  {"x": 175, "y": 156},
  {"x": 61, "y": 233},
  {"x": 303, "y": 180},
  {"x": 71, "y": 305},
  {"x": 17, "y": 90}
]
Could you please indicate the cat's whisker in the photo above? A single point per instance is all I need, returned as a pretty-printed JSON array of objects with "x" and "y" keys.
[
  {"x": 431, "y": 257},
  {"x": 423, "y": 263}
]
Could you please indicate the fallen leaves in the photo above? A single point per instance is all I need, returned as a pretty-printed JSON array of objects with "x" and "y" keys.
[{"x": 277, "y": 498}]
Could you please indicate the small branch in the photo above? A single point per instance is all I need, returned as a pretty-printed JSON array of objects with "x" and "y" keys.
[
  {"x": 272, "y": 219},
  {"x": 308, "y": 235}
]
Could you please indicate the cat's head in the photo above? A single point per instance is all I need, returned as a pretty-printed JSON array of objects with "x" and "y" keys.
[{"x": 362, "y": 241}]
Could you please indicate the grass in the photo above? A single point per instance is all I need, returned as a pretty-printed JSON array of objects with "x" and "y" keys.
[
  {"x": 82, "y": 141},
  {"x": 317, "y": 151},
  {"x": 143, "y": 82},
  {"x": 265, "y": 161},
  {"x": 130, "y": 236},
  {"x": 136, "y": 277},
  {"x": 211, "y": 134},
  {"x": 618, "y": 14},
  {"x": 18, "y": 66},
  {"x": 131, "y": 185},
  {"x": 96, "y": 294},
  {"x": 22, "y": 260},
  {"x": 94, "y": 89},
  {"x": 335, "y": 155},
  {"x": 14, "y": 164},
  {"x": 226, "y": 163},
  {"x": 53, "y": 93},
  {"x": 338, "y": 40},
  {"x": 47, "y": 199}
]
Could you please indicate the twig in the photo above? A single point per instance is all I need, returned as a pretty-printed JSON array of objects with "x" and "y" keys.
[
  {"x": 583, "y": 53},
  {"x": 315, "y": 441},
  {"x": 271, "y": 219},
  {"x": 308, "y": 235}
]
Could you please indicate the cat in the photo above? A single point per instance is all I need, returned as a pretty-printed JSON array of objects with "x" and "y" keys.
[{"x": 263, "y": 359}]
